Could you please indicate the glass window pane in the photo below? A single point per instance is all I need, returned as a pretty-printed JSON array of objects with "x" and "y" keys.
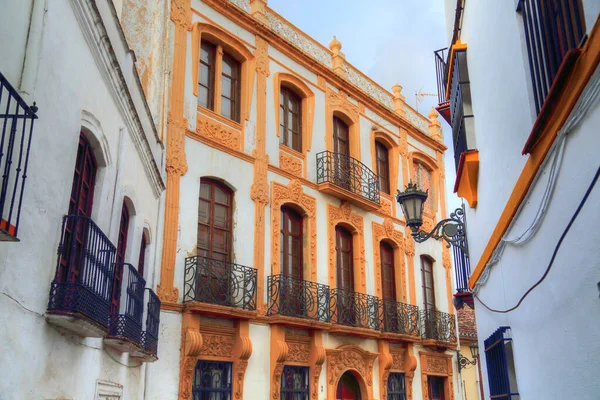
[
  {"x": 226, "y": 107},
  {"x": 203, "y": 212},
  {"x": 221, "y": 196},
  {"x": 219, "y": 240},
  {"x": 203, "y": 96},
  {"x": 220, "y": 217},
  {"x": 227, "y": 67},
  {"x": 226, "y": 87},
  {"x": 205, "y": 191},
  {"x": 204, "y": 77}
]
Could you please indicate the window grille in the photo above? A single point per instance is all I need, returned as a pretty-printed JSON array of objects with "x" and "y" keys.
[
  {"x": 396, "y": 387},
  {"x": 294, "y": 383},
  {"x": 212, "y": 381},
  {"x": 500, "y": 365}
]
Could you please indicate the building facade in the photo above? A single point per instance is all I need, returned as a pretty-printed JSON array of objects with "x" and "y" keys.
[
  {"x": 524, "y": 114},
  {"x": 286, "y": 267},
  {"x": 80, "y": 203}
]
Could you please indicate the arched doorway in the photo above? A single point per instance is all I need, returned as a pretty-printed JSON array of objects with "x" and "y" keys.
[{"x": 348, "y": 387}]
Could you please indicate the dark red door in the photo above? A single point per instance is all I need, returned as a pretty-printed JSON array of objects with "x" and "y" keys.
[
  {"x": 436, "y": 387},
  {"x": 345, "y": 276},
  {"x": 348, "y": 388},
  {"x": 80, "y": 203},
  {"x": 121, "y": 249}
]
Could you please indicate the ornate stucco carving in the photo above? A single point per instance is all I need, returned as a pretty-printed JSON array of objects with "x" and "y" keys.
[
  {"x": 298, "y": 352},
  {"x": 217, "y": 345},
  {"x": 262, "y": 58},
  {"x": 291, "y": 164},
  {"x": 446, "y": 258},
  {"x": 176, "y": 162},
  {"x": 259, "y": 191},
  {"x": 218, "y": 132},
  {"x": 346, "y": 358},
  {"x": 181, "y": 13},
  {"x": 409, "y": 246},
  {"x": 339, "y": 101},
  {"x": 438, "y": 365}
]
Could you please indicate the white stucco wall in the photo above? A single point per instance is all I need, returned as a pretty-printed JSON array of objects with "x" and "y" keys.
[{"x": 73, "y": 93}]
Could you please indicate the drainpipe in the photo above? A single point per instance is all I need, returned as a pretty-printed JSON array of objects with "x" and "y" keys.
[{"x": 33, "y": 49}]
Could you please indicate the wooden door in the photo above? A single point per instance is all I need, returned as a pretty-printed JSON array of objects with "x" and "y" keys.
[
  {"x": 341, "y": 148},
  {"x": 119, "y": 265},
  {"x": 428, "y": 296},
  {"x": 80, "y": 203},
  {"x": 435, "y": 387},
  {"x": 388, "y": 287},
  {"x": 348, "y": 388},
  {"x": 291, "y": 245},
  {"x": 345, "y": 276},
  {"x": 214, "y": 242}
]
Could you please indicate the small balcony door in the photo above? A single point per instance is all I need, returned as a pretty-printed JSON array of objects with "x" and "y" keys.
[
  {"x": 428, "y": 295},
  {"x": 341, "y": 148},
  {"x": 80, "y": 203},
  {"x": 345, "y": 276},
  {"x": 214, "y": 240},
  {"x": 291, "y": 239},
  {"x": 121, "y": 249},
  {"x": 388, "y": 286}
]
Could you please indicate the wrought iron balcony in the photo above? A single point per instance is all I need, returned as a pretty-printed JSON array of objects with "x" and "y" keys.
[
  {"x": 355, "y": 309},
  {"x": 438, "y": 326},
  {"x": 150, "y": 334},
  {"x": 400, "y": 318},
  {"x": 441, "y": 72},
  {"x": 218, "y": 282},
  {"x": 351, "y": 179},
  {"x": 125, "y": 325},
  {"x": 81, "y": 290},
  {"x": 294, "y": 297},
  {"x": 16, "y": 122}
]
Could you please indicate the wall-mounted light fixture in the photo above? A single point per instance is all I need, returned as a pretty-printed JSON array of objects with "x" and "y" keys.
[{"x": 464, "y": 362}]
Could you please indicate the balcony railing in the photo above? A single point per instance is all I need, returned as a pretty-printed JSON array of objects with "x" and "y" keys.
[
  {"x": 150, "y": 333},
  {"x": 462, "y": 268},
  {"x": 294, "y": 297},
  {"x": 441, "y": 72},
  {"x": 460, "y": 104},
  {"x": 438, "y": 326},
  {"x": 355, "y": 309},
  {"x": 400, "y": 318},
  {"x": 218, "y": 282},
  {"x": 347, "y": 173},
  {"x": 127, "y": 323},
  {"x": 16, "y": 123},
  {"x": 83, "y": 281},
  {"x": 551, "y": 30}
]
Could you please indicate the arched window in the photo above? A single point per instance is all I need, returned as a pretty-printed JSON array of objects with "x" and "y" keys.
[
  {"x": 341, "y": 137},
  {"x": 422, "y": 177},
  {"x": 291, "y": 243},
  {"x": 119, "y": 265},
  {"x": 294, "y": 383},
  {"x": 344, "y": 259},
  {"x": 383, "y": 167},
  {"x": 427, "y": 279},
  {"x": 212, "y": 380},
  {"x": 215, "y": 61},
  {"x": 348, "y": 387},
  {"x": 388, "y": 276},
  {"x": 290, "y": 119},
  {"x": 214, "y": 221},
  {"x": 142, "y": 259}
]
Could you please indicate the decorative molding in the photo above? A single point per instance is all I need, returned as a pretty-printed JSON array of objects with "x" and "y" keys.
[
  {"x": 386, "y": 206},
  {"x": 291, "y": 164},
  {"x": 437, "y": 364},
  {"x": 175, "y": 160},
  {"x": 167, "y": 294},
  {"x": 298, "y": 352},
  {"x": 409, "y": 246},
  {"x": 217, "y": 345},
  {"x": 388, "y": 232},
  {"x": 344, "y": 215},
  {"x": 339, "y": 101},
  {"x": 218, "y": 132},
  {"x": 293, "y": 193},
  {"x": 346, "y": 358},
  {"x": 109, "y": 64},
  {"x": 181, "y": 14},
  {"x": 446, "y": 258},
  {"x": 316, "y": 360},
  {"x": 262, "y": 58},
  {"x": 393, "y": 359}
]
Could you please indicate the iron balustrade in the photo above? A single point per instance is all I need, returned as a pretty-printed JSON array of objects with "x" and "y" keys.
[
  {"x": 462, "y": 269},
  {"x": 500, "y": 365},
  {"x": 298, "y": 298},
  {"x": 347, "y": 173},
  {"x": 219, "y": 282},
  {"x": 16, "y": 122},
  {"x": 400, "y": 318},
  {"x": 439, "y": 326},
  {"x": 150, "y": 334},
  {"x": 127, "y": 323},
  {"x": 552, "y": 28},
  {"x": 459, "y": 98},
  {"x": 84, "y": 273},
  {"x": 441, "y": 72},
  {"x": 355, "y": 309}
]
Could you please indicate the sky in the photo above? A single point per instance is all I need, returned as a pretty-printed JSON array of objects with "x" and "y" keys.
[{"x": 391, "y": 41}]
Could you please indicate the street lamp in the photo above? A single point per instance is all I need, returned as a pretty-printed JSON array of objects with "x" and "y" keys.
[
  {"x": 452, "y": 230},
  {"x": 464, "y": 362}
]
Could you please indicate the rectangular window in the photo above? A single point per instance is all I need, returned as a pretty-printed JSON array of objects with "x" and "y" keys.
[
  {"x": 383, "y": 169},
  {"x": 206, "y": 80},
  {"x": 212, "y": 381},
  {"x": 230, "y": 92},
  {"x": 501, "y": 365},
  {"x": 290, "y": 116},
  {"x": 396, "y": 387},
  {"x": 294, "y": 383},
  {"x": 552, "y": 29}
]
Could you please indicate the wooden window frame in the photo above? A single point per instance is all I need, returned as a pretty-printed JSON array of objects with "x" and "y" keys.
[
  {"x": 210, "y": 225},
  {"x": 125, "y": 220},
  {"x": 389, "y": 249},
  {"x": 210, "y": 65},
  {"x": 234, "y": 96},
  {"x": 423, "y": 282},
  {"x": 287, "y": 94},
  {"x": 142, "y": 258},
  {"x": 382, "y": 165},
  {"x": 285, "y": 235},
  {"x": 338, "y": 256}
]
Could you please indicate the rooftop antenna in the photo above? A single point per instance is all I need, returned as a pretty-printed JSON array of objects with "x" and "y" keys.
[{"x": 419, "y": 95}]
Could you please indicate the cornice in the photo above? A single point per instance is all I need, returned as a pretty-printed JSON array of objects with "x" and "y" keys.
[{"x": 95, "y": 33}]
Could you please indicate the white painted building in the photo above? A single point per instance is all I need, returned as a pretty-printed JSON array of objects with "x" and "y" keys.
[
  {"x": 520, "y": 87},
  {"x": 96, "y": 152}
]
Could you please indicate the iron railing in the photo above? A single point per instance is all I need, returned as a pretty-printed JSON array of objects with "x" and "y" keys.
[
  {"x": 150, "y": 334},
  {"x": 355, "y": 309},
  {"x": 16, "y": 122},
  {"x": 462, "y": 268},
  {"x": 84, "y": 273},
  {"x": 439, "y": 326},
  {"x": 218, "y": 282},
  {"x": 460, "y": 96},
  {"x": 127, "y": 323},
  {"x": 347, "y": 173},
  {"x": 441, "y": 72},
  {"x": 552, "y": 28},
  {"x": 400, "y": 318},
  {"x": 294, "y": 297},
  {"x": 500, "y": 365}
]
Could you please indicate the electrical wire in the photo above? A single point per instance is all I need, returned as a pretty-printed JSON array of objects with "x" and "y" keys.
[{"x": 556, "y": 248}]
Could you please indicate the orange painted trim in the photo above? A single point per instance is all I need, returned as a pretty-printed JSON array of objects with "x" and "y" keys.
[
  {"x": 436, "y": 364},
  {"x": 582, "y": 71},
  {"x": 293, "y": 194},
  {"x": 393, "y": 155},
  {"x": 289, "y": 175},
  {"x": 466, "y": 177},
  {"x": 457, "y": 46},
  {"x": 338, "y": 105},
  {"x": 344, "y": 216},
  {"x": 432, "y": 166},
  {"x": 350, "y": 358},
  {"x": 219, "y": 146},
  {"x": 341, "y": 193}
]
